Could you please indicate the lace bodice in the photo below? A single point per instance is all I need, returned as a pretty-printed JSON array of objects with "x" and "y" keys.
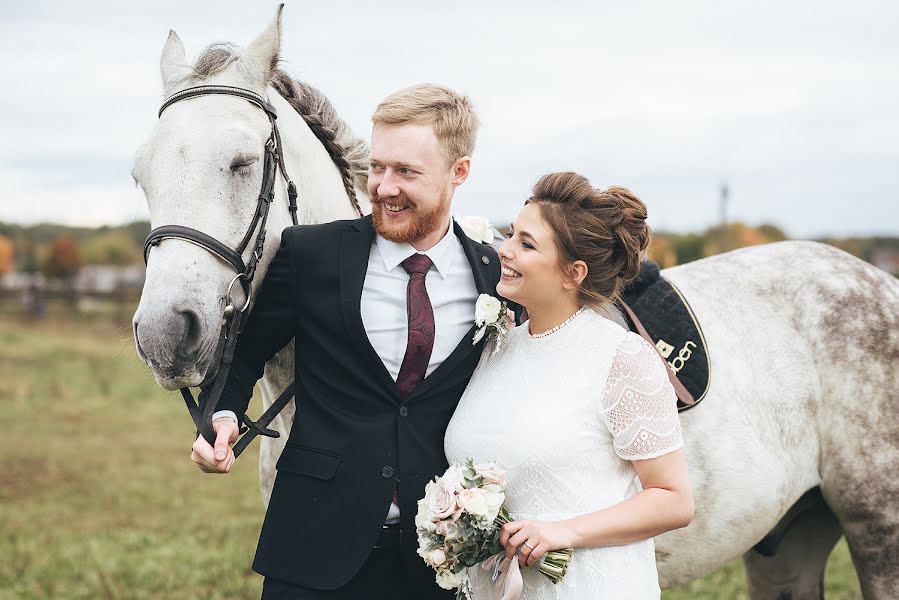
[{"x": 565, "y": 414}]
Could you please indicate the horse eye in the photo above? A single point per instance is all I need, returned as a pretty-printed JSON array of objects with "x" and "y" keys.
[{"x": 241, "y": 162}]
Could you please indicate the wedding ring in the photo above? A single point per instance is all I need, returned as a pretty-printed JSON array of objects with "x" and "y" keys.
[{"x": 528, "y": 545}]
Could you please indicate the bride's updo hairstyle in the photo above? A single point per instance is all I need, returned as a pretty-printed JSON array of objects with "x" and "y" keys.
[{"x": 604, "y": 228}]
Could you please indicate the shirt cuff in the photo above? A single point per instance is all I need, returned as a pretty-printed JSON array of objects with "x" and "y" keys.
[{"x": 225, "y": 413}]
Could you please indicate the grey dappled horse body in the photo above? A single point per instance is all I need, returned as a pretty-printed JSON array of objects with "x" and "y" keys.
[
  {"x": 803, "y": 338},
  {"x": 804, "y": 344}
]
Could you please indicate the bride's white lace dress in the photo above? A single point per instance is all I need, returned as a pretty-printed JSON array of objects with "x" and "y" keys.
[{"x": 564, "y": 414}]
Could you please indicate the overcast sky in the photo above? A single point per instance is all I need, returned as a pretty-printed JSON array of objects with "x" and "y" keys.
[{"x": 794, "y": 104}]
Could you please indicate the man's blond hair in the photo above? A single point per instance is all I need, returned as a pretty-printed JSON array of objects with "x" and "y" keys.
[{"x": 450, "y": 114}]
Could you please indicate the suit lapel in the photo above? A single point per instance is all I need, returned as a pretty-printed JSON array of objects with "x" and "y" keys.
[
  {"x": 355, "y": 248},
  {"x": 485, "y": 268}
]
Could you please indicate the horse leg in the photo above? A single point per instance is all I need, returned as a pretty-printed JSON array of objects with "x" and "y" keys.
[
  {"x": 789, "y": 563},
  {"x": 871, "y": 526},
  {"x": 857, "y": 338}
]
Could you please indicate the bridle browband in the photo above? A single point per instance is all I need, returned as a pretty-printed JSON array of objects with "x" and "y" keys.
[{"x": 232, "y": 316}]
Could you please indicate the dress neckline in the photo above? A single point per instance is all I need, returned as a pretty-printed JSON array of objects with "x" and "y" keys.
[{"x": 549, "y": 332}]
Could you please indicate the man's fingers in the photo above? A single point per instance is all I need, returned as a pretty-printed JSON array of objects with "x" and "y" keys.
[
  {"x": 204, "y": 451},
  {"x": 222, "y": 437},
  {"x": 220, "y": 457},
  {"x": 214, "y": 466}
]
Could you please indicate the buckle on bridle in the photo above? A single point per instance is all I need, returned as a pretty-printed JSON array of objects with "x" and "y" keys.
[
  {"x": 251, "y": 424},
  {"x": 230, "y": 308}
]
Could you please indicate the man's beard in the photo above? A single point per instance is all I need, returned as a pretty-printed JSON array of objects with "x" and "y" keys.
[{"x": 419, "y": 226}]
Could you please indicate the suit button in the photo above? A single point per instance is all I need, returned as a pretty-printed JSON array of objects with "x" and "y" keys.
[
  {"x": 387, "y": 472},
  {"x": 404, "y": 411}
]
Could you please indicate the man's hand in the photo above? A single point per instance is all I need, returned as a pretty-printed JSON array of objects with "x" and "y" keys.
[{"x": 220, "y": 458}]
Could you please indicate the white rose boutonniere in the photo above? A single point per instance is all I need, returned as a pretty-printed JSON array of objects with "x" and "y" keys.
[
  {"x": 477, "y": 228},
  {"x": 491, "y": 316}
]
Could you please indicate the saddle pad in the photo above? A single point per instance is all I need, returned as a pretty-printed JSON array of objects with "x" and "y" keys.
[{"x": 673, "y": 328}]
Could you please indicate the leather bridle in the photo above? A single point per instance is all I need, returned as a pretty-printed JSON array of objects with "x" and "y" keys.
[{"x": 232, "y": 316}]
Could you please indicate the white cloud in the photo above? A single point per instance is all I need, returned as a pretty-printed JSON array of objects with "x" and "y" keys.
[{"x": 792, "y": 104}]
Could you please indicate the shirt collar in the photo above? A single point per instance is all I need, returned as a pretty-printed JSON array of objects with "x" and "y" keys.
[{"x": 441, "y": 254}]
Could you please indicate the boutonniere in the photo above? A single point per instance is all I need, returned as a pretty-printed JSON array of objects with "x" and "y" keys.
[
  {"x": 492, "y": 318},
  {"x": 477, "y": 228}
]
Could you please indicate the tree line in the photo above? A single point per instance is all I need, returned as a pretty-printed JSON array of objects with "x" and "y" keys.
[{"x": 59, "y": 251}]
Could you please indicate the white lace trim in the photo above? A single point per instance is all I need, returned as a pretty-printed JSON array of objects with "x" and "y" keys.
[
  {"x": 639, "y": 404},
  {"x": 534, "y": 409}
]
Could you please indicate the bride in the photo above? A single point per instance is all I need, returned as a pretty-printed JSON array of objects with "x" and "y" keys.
[{"x": 579, "y": 412}]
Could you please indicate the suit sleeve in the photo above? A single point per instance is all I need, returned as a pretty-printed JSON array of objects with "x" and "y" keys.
[{"x": 269, "y": 327}]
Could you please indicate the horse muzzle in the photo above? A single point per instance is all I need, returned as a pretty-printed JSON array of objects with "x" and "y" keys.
[{"x": 175, "y": 347}]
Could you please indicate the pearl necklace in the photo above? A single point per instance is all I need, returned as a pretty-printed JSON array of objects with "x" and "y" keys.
[{"x": 559, "y": 326}]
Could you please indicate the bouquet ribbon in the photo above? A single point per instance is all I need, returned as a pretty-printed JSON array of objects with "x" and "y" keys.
[{"x": 507, "y": 580}]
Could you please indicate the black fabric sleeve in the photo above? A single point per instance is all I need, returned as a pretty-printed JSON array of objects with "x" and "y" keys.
[{"x": 269, "y": 327}]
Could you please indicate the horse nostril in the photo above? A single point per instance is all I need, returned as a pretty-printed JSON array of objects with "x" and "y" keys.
[
  {"x": 140, "y": 351},
  {"x": 193, "y": 331}
]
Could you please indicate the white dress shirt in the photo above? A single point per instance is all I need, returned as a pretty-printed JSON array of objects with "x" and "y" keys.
[{"x": 451, "y": 289}]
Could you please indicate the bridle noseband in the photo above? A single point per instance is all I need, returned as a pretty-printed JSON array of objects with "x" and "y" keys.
[{"x": 232, "y": 316}]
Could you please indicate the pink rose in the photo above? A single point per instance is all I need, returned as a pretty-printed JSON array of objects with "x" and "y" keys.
[
  {"x": 442, "y": 502},
  {"x": 490, "y": 473}
]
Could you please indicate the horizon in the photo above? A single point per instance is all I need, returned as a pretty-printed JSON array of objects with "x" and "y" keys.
[{"x": 501, "y": 225}]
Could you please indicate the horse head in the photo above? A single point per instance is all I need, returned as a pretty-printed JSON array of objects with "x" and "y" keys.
[{"x": 202, "y": 167}]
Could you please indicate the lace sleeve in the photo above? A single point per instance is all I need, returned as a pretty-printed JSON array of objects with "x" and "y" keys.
[{"x": 639, "y": 405}]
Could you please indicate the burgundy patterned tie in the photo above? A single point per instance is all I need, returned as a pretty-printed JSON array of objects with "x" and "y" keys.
[{"x": 421, "y": 325}]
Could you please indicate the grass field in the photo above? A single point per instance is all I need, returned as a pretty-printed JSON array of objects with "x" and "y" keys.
[{"x": 100, "y": 500}]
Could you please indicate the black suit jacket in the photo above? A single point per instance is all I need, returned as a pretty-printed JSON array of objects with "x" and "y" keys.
[{"x": 354, "y": 438}]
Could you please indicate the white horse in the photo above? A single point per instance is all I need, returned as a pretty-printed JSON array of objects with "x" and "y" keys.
[{"x": 798, "y": 435}]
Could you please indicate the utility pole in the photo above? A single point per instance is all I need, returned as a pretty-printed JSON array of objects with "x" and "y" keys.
[
  {"x": 725, "y": 193},
  {"x": 723, "y": 242}
]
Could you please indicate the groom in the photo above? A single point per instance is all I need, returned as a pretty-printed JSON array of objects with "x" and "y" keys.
[{"x": 382, "y": 310}]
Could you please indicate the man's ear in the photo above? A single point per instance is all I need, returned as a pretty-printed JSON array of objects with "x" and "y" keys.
[
  {"x": 576, "y": 272},
  {"x": 461, "y": 169}
]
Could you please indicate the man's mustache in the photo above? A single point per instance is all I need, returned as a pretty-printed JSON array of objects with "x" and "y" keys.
[{"x": 401, "y": 200}]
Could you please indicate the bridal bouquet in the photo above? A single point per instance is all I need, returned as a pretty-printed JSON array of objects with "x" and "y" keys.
[{"x": 458, "y": 525}]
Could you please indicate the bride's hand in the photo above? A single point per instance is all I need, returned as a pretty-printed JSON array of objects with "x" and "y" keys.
[{"x": 533, "y": 539}]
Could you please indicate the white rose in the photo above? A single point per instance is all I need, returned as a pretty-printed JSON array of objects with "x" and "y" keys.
[
  {"x": 495, "y": 501},
  {"x": 477, "y": 228},
  {"x": 424, "y": 520},
  {"x": 449, "y": 580},
  {"x": 452, "y": 479},
  {"x": 436, "y": 557},
  {"x": 474, "y": 502},
  {"x": 490, "y": 473},
  {"x": 487, "y": 310},
  {"x": 442, "y": 502}
]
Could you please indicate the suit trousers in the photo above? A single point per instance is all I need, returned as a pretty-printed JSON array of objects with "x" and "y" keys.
[{"x": 382, "y": 577}]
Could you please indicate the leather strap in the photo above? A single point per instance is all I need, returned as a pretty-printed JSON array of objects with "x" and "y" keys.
[
  {"x": 195, "y": 237},
  {"x": 682, "y": 393},
  {"x": 260, "y": 426},
  {"x": 226, "y": 90},
  {"x": 201, "y": 412}
]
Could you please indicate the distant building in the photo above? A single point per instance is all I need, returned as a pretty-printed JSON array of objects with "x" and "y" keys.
[
  {"x": 16, "y": 281},
  {"x": 90, "y": 278},
  {"x": 108, "y": 278}
]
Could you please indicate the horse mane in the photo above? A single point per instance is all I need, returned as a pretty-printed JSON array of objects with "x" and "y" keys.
[{"x": 349, "y": 153}]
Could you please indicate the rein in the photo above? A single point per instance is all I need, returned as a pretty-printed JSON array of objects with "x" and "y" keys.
[{"x": 232, "y": 316}]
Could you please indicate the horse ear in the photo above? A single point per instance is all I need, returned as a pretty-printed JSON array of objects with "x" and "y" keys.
[
  {"x": 261, "y": 56},
  {"x": 172, "y": 63}
]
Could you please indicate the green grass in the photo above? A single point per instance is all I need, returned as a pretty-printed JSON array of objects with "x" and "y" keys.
[{"x": 99, "y": 498}]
